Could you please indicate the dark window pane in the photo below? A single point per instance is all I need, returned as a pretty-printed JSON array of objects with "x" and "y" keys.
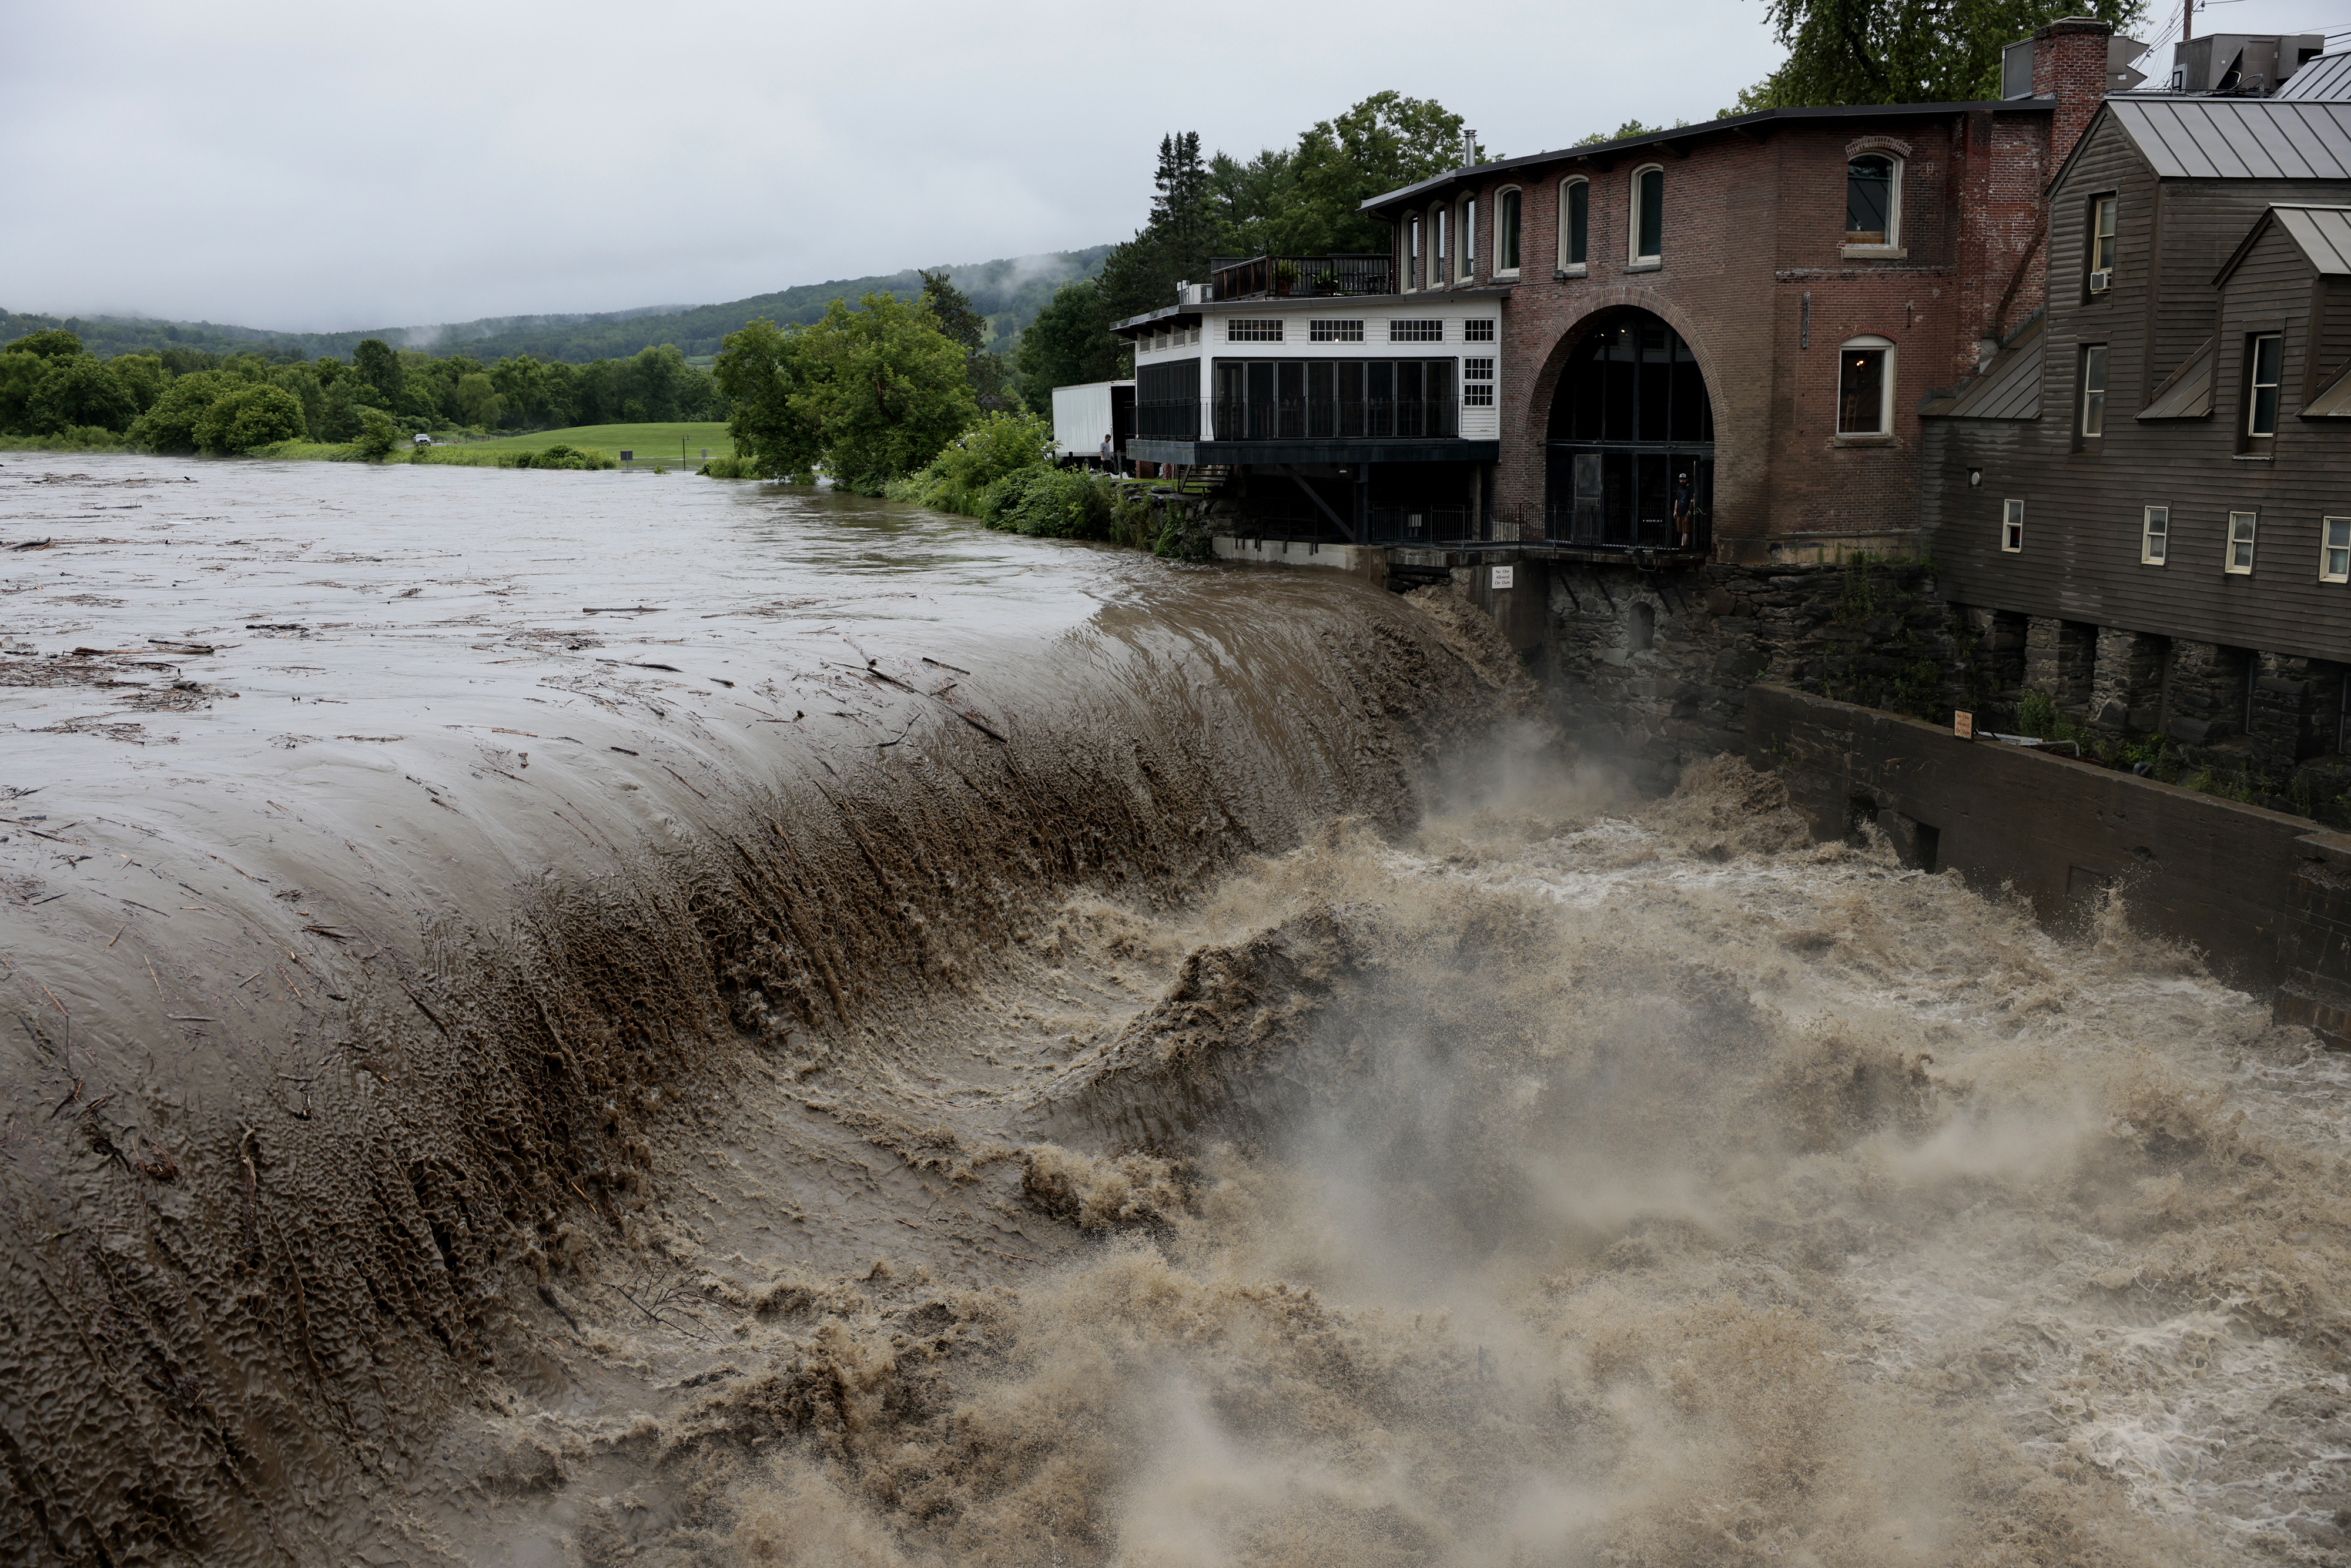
[
  {"x": 1689, "y": 414},
  {"x": 1653, "y": 214},
  {"x": 1868, "y": 200},
  {"x": 1861, "y": 392},
  {"x": 1579, "y": 215},
  {"x": 1506, "y": 242}
]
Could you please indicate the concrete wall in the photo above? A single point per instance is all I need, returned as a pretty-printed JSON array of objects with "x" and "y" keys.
[{"x": 2266, "y": 899}]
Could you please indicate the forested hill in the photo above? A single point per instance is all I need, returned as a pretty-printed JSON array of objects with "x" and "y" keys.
[{"x": 1006, "y": 292}]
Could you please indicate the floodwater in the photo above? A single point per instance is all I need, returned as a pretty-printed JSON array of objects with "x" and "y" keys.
[{"x": 885, "y": 1044}]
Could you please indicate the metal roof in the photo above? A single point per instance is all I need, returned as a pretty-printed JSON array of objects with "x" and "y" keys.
[
  {"x": 1753, "y": 124},
  {"x": 2326, "y": 79},
  {"x": 2187, "y": 392},
  {"x": 2334, "y": 400},
  {"x": 2324, "y": 234},
  {"x": 2008, "y": 388},
  {"x": 2238, "y": 138}
]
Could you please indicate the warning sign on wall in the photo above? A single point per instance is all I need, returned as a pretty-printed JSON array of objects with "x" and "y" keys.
[{"x": 1502, "y": 575}]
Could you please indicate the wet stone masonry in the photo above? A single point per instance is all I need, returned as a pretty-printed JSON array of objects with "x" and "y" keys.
[{"x": 1653, "y": 664}]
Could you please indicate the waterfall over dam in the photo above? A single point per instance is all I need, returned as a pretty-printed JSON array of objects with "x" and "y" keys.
[{"x": 578, "y": 1017}]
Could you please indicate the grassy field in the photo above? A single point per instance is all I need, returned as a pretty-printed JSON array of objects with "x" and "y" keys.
[{"x": 647, "y": 440}]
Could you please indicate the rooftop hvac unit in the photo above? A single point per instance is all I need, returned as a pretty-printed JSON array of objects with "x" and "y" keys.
[{"x": 2102, "y": 281}]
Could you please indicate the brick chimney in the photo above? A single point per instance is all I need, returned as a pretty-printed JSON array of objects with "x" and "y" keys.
[{"x": 2069, "y": 64}]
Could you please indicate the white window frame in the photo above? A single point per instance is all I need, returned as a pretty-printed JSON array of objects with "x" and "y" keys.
[
  {"x": 2106, "y": 220},
  {"x": 1351, "y": 331},
  {"x": 1413, "y": 244},
  {"x": 1574, "y": 269},
  {"x": 1506, "y": 194},
  {"x": 1233, "y": 325},
  {"x": 1465, "y": 239},
  {"x": 1885, "y": 388},
  {"x": 2154, "y": 535},
  {"x": 1892, "y": 244},
  {"x": 2093, "y": 353},
  {"x": 2244, "y": 530},
  {"x": 1633, "y": 257},
  {"x": 1440, "y": 246},
  {"x": 2253, "y": 385},
  {"x": 1477, "y": 378},
  {"x": 2011, "y": 527},
  {"x": 2333, "y": 559}
]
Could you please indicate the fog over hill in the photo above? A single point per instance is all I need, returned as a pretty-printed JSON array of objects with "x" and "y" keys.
[{"x": 1008, "y": 292}]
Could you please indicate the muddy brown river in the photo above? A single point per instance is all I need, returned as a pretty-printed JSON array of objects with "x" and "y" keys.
[{"x": 622, "y": 1019}]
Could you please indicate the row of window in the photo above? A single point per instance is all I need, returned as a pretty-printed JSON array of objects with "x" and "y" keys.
[
  {"x": 1441, "y": 245},
  {"x": 2264, "y": 361},
  {"x": 2237, "y": 556},
  {"x": 1269, "y": 330},
  {"x": 1169, "y": 338}
]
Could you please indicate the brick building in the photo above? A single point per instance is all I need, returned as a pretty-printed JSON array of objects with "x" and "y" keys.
[{"x": 1741, "y": 317}]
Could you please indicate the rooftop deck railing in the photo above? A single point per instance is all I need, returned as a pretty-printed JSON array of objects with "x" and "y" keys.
[{"x": 1299, "y": 276}]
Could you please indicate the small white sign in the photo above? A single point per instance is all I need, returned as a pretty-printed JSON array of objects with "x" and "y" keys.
[{"x": 1502, "y": 576}]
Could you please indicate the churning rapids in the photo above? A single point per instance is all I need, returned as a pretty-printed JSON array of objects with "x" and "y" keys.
[{"x": 605, "y": 1018}]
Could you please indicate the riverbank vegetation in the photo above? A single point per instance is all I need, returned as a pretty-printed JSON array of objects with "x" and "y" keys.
[
  {"x": 53, "y": 390},
  {"x": 1002, "y": 472}
]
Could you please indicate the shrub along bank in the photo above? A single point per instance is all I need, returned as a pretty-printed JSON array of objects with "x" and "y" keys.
[{"x": 1001, "y": 471}]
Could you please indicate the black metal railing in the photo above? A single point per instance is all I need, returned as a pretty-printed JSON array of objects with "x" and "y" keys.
[
  {"x": 1429, "y": 526},
  {"x": 1299, "y": 277},
  {"x": 1313, "y": 419},
  {"x": 1589, "y": 525}
]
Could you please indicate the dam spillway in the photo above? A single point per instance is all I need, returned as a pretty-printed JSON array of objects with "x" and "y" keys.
[{"x": 616, "y": 1017}]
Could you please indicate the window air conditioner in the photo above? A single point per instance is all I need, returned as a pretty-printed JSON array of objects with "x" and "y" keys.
[{"x": 2102, "y": 281}]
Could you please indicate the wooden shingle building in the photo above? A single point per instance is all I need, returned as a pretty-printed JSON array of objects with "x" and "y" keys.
[{"x": 2149, "y": 487}]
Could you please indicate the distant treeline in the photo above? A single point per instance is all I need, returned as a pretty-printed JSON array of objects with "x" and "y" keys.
[
  {"x": 51, "y": 385},
  {"x": 1005, "y": 293}
]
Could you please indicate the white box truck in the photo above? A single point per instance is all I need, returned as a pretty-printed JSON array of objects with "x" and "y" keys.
[{"x": 1083, "y": 415}]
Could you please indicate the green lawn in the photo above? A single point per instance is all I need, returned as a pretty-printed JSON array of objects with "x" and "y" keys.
[{"x": 647, "y": 440}]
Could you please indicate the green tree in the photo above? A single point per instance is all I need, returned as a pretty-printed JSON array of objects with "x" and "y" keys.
[
  {"x": 893, "y": 394},
  {"x": 170, "y": 424},
  {"x": 77, "y": 391},
  {"x": 991, "y": 379},
  {"x": 1174, "y": 247},
  {"x": 869, "y": 394},
  {"x": 379, "y": 367},
  {"x": 478, "y": 402},
  {"x": 20, "y": 378},
  {"x": 53, "y": 343},
  {"x": 1904, "y": 51},
  {"x": 250, "y": 414},
  {"x": 1383, "y": 144},
  {"x": 769, "y": 375},
  {"x": 302, "y": 382},
  {"x": 378, "y": 436},
  {"x": 144, "y": 376},
  {"x": 1069, "y": 344}
]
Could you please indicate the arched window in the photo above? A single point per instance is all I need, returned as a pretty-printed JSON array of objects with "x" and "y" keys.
[
  {"x": 1872, "y": 201},
  {"x": 1647, "y": 229},
  {"x": 1440, "y": 252},
  {"x": 1505, "y": 235},
  {"x": 1411, "y": 252},
  {"x": 1467, "y": 229},
  {"x": 1866, "y": 387},
  {"x": 1574, "y": 223}
]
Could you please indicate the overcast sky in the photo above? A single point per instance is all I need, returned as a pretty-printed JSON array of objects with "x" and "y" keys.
[{"x": 318, "y": 167}]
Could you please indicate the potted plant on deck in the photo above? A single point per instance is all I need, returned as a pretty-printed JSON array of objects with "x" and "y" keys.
[
  {"x": 1285, "y": 276},
  {"x": 1326, "y": 281}
]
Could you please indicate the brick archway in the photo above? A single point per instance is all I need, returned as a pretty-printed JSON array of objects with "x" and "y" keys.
[{"x": 1545, "y": 385}]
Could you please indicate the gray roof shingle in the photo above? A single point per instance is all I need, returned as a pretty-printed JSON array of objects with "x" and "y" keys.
[
  {"x": 2239, "y": 138},
  {"x": 2008, "y": 388},
  {"x": 2322, "y": 232}
]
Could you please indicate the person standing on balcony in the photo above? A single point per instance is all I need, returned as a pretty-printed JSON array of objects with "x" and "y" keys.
[{"x": 1685, "y": 510}]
